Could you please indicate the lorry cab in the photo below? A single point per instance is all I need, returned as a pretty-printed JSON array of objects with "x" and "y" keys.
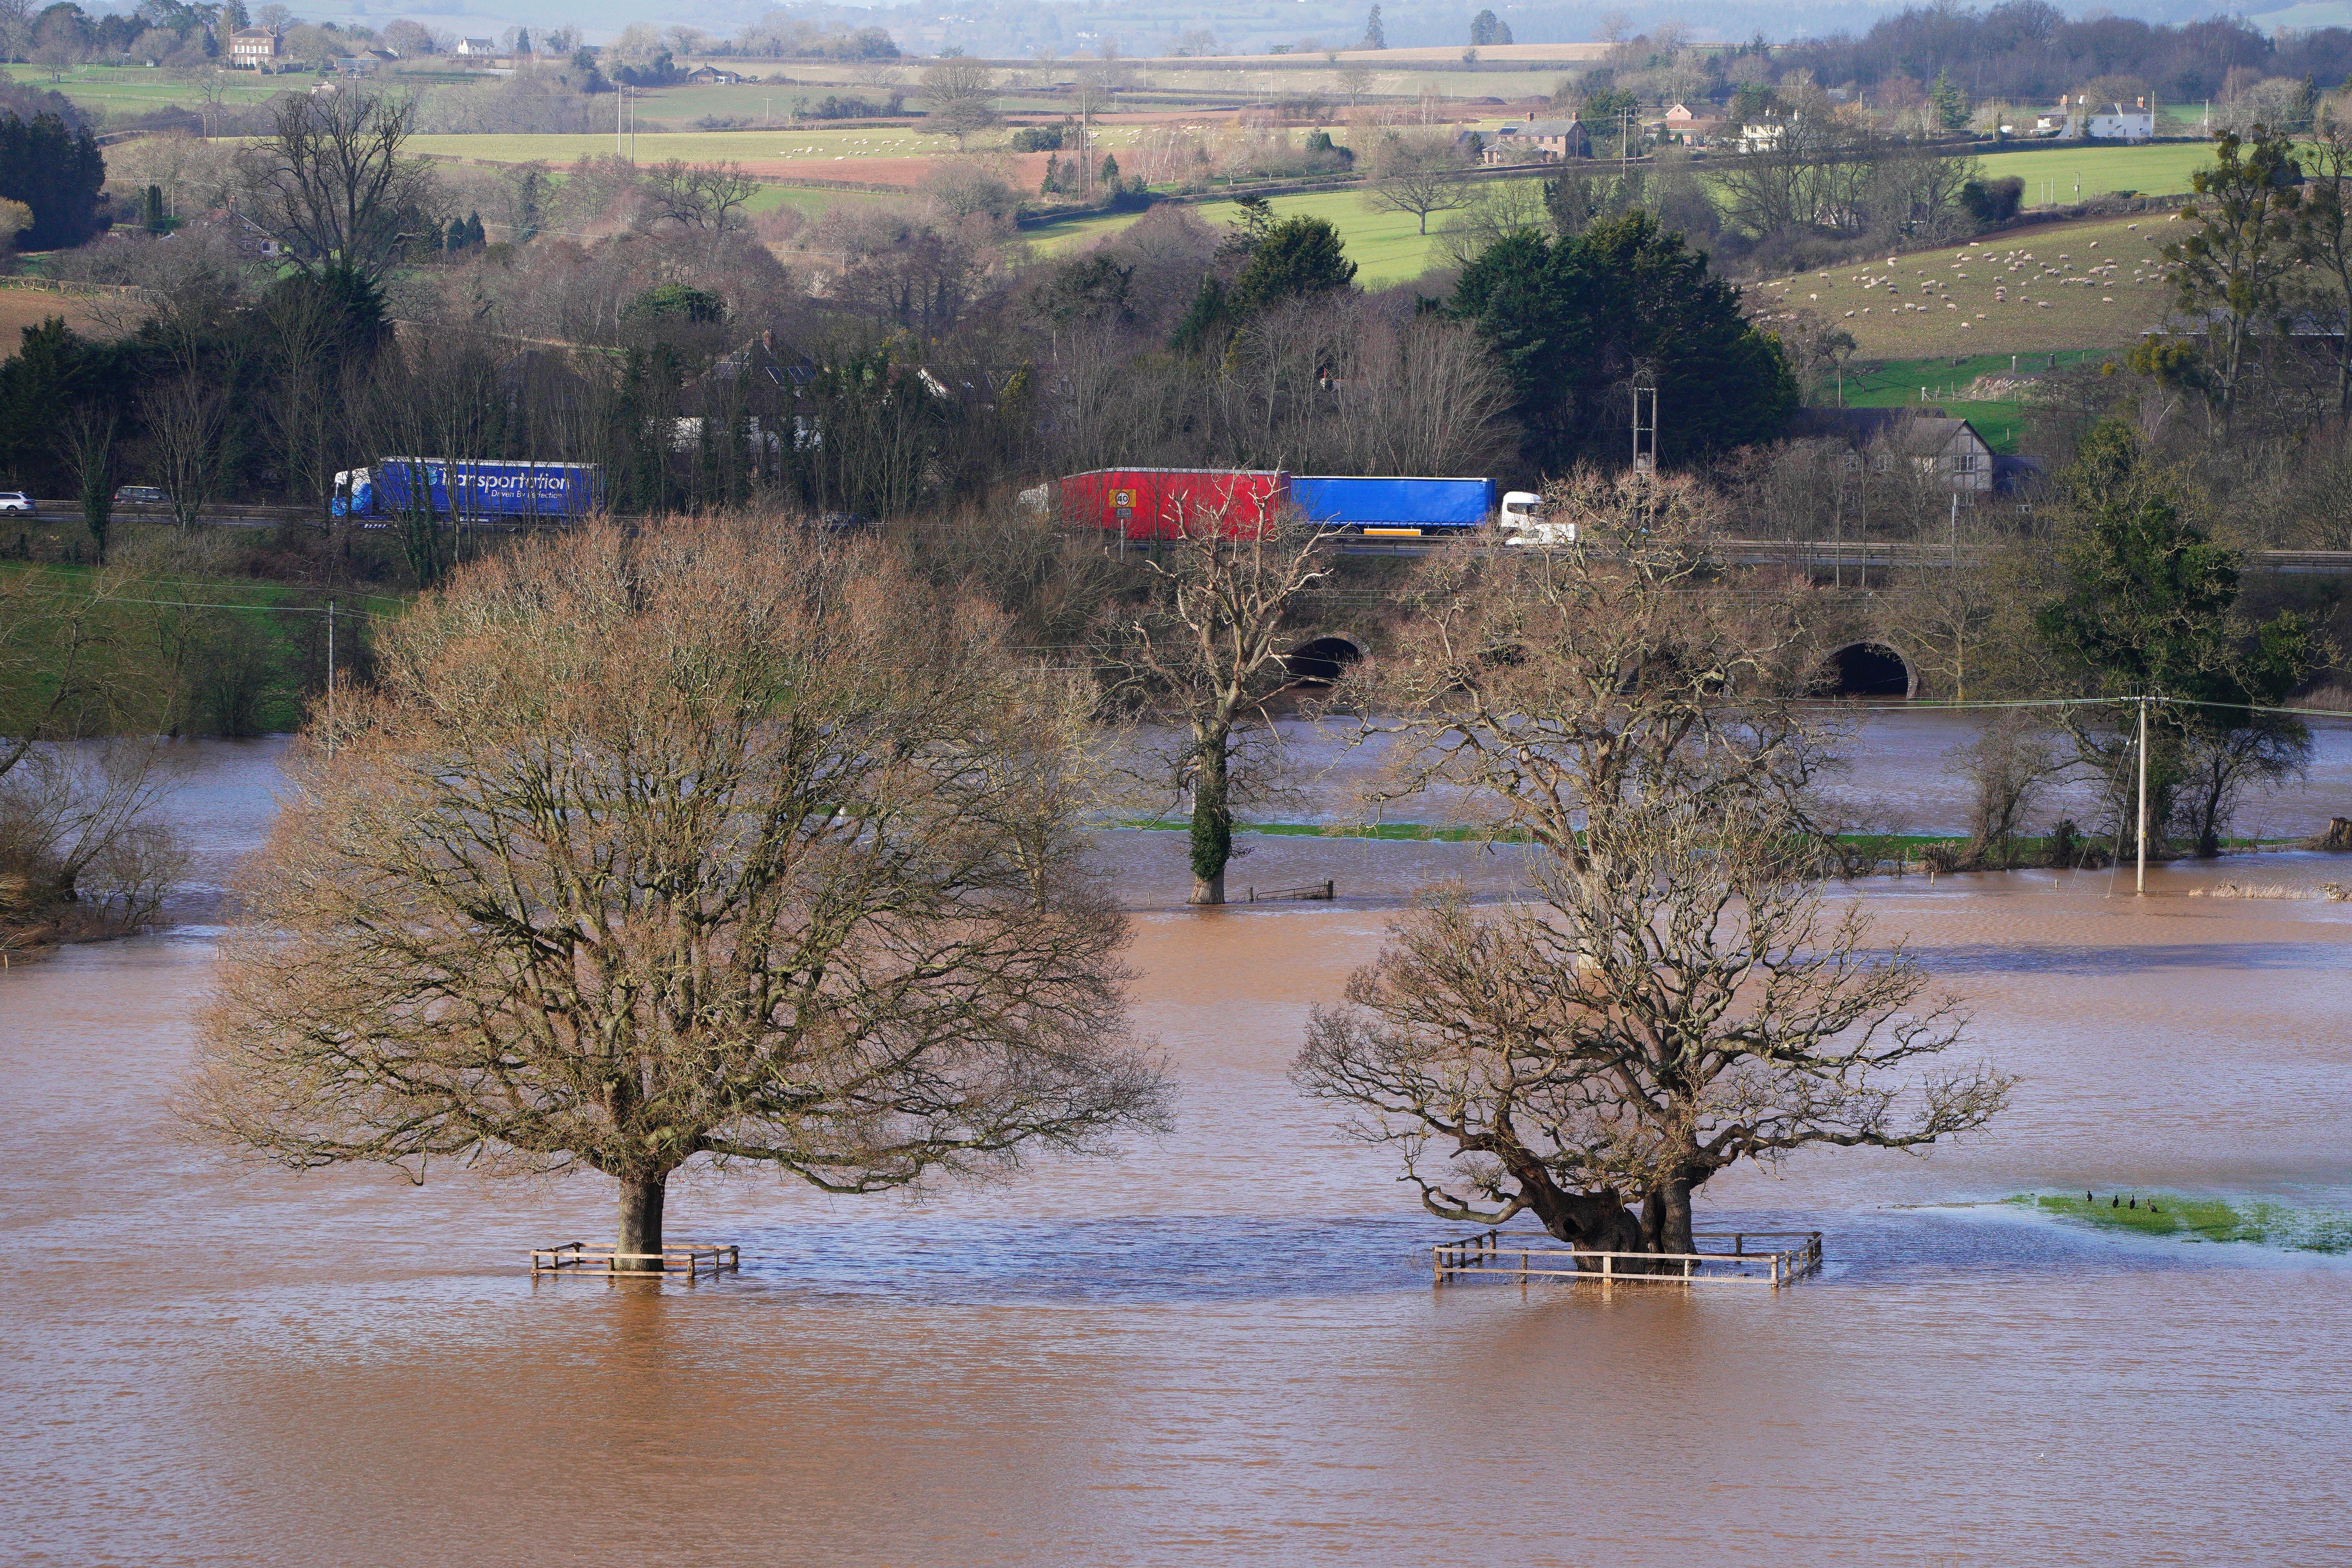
[{"x": 1521, "y": 520}]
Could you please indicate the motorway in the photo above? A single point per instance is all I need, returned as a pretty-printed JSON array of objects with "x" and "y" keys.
[
  {"x": 1812, "y": 555},
  {"x": 1818, "y": 555}
]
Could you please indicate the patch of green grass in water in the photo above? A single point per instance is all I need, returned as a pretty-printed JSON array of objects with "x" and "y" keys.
[
  {"x": 2203, "y": 1219},
  {"x": 1408, "y": 832},
  {"x": 2028, "y": 850}
]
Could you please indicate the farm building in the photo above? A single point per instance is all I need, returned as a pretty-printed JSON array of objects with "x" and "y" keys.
[{"x": 1539, "y": 141}]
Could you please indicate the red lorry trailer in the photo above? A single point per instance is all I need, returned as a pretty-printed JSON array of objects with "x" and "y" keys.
[{"x": 1167, "y": 503}]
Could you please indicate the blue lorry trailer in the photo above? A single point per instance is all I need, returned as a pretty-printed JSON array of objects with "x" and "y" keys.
[
  {"x": 1398, "y": 506},
  {"x": 470, "y": 488}
]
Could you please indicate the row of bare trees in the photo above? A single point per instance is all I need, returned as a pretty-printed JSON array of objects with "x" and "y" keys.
[{"x": 708, "y": 842}]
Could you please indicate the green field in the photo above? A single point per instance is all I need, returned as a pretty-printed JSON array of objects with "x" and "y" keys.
[
  {"x": 132, "y": 89},
  {"x": 2159, "y": 169},
  {"x": 1386, "y": 247},
  {"x": 1898, "y": 385}
]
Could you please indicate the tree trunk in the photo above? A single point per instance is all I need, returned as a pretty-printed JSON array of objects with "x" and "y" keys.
[
  {"x": 1666, "y": 1216},
  {"x": 1213, "y": 826},
  {"x": 641, "y": 1223},
  {"x": 1588, "y": 1222}
]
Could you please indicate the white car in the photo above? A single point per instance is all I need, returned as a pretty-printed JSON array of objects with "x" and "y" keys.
[{"x": 15, "y": 501}]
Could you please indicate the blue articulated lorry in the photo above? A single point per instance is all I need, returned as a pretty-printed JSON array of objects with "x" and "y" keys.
[
  {"x": 470, "y": 488},
  {"x": 1400, "y": 507}
]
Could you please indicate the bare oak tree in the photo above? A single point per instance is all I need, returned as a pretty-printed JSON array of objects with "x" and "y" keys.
[
  {"x": 657, "y": 847},
  {"x": 1680, "y": 999},
  {"x": 1638, "y": 1032},
  {"x": 710, "y": 198},
  {"x": 1417, "y": 174}
]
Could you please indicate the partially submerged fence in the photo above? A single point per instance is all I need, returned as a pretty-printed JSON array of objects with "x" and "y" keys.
[
  {"x": 1491, "y": 1255},
  {"x": 1325, "y": 891},
  {"x": 691, "y": 1259}
]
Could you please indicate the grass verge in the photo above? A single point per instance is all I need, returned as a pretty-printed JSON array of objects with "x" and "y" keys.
[{"x": 2200, "y": 1219}]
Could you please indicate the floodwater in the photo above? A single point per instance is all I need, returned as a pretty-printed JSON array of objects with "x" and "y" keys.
[{"x": 1224, "y": 1347}]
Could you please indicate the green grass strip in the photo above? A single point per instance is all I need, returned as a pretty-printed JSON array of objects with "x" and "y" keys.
[{"x": 2201, "y": 1219}]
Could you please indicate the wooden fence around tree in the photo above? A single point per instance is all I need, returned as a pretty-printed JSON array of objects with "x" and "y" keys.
[{"x": 1492, "y": 1255}]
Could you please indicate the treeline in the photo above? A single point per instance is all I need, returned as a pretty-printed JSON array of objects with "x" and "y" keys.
[{"x": 2030, "y": 50}]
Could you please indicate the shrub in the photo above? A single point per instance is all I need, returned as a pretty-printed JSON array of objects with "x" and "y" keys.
[{"x": 1993, "y": 201}]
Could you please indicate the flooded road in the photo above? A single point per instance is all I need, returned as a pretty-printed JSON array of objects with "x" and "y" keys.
[{"x": 1223, "y": 1348}]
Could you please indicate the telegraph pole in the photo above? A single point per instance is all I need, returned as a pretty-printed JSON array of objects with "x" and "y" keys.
[
  {"x": 1645, "y": 423},
  {"x": 330, "y": 680},
  {"x": 2139, "y": 889}
]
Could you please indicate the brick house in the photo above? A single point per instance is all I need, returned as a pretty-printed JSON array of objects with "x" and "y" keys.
[
  {"x": 1539, "y": 141},
  {"x": 253, "y": 48}
]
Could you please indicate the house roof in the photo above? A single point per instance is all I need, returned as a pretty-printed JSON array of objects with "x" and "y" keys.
[
  {"x": 1541, "y": 128},
  {"x": 1923, "y": 432}
]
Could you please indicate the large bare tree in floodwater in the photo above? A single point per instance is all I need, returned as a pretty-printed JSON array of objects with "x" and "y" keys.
[
  {"x": 686, "y": 844},
  {"x": 1684, "y": 1003},
  {"x": 1679, "y": 1000}
]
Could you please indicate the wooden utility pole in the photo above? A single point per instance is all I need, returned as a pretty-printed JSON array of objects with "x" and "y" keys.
[
  {"x": 330, "y": 680},
  {"x": 2139, "y": 889}
]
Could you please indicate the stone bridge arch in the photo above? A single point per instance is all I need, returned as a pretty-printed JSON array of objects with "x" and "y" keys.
[
  {"x": 1869, "y": 667},
  {"x": 1321, "y": 660}
]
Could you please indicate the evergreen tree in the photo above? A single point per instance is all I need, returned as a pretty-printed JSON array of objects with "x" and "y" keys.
[
  {"x": 1206, "y": 320},
  {"x": 2151, "y": 610},
  {"x": 1108, "y": 175},
  {"x": 1296, "y": 256},
  {"x": 523, "y": 40},
  {"x": 1052, "y": 183},
  {"x": 57, "y": 173},
  {"x": 1950, "y": 103},
  {"x": 1375, "y": 37},
  {"x": 1574, "y": 321}
]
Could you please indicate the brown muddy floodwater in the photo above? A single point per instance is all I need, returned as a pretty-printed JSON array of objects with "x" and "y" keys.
[{"x": 1223, "y": 1348}]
